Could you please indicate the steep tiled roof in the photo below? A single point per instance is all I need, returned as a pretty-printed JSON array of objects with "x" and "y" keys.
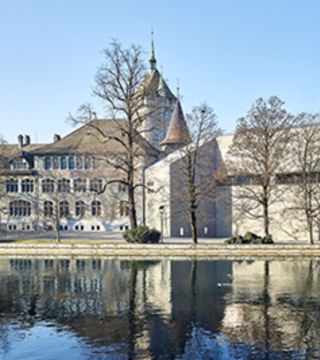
[
  {"x": 154, "y": 83},
  {"x": 92, "y": 138},
  {"x": 9, "y": 152},
  {"x": 178, "y": 132}
]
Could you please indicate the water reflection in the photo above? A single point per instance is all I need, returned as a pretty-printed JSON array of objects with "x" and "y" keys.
[{"x": 87, "y": 309}]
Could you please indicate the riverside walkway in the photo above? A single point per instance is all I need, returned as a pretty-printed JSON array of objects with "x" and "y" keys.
[{"x": 97, "y": 244}]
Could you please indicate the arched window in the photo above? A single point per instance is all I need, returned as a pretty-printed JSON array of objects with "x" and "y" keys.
[
  {"x": 63, "y": 163},
  {"x": 48, "y": 208},
  {"x": 79, "y": 162},
  {"x": 55, "y": 162},
  {"x": 96, "y": 185},
  {"x": 47, "y": 186},
  {"x": 12, "y": 185},
  {"x": 64, "y": 209},
  {"x": 80, "y": 185},
  {"x": 80, "y": 208},
  {"x": 26, "y": 186},
  {"x": 19, "y": 208},
  {"x": 87, "y": 163},
  {"x": 96, "y": 208},
  {"x": 47, "y": 163},
  {"x": 71, "y": 163},
  {"x": 63, "y": 185}
]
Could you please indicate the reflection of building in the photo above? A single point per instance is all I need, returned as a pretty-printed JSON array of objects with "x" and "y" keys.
[
  {"x": 274, "y": 303},
  {"x": 169, "y": 308}
]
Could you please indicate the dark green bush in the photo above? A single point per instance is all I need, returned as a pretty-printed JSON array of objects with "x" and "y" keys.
[
  {"x": 142, "y": 235},
  {"x": 250, "y": 238}
]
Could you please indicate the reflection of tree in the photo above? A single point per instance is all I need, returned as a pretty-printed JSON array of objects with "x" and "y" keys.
[
  {"x": 305, "y": 336},
  {"x": 146, "y": 331},
  {"x": 266, "y": 304},
  {"x": 5, "y": 343},
  {"x": 132, "y": 313}
]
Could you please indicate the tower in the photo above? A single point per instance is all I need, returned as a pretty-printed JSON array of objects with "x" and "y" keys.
[{"x": 158, "y": 101}]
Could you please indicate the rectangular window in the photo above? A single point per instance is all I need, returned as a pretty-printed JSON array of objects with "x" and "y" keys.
[
  {"x": 63, "y": 185},
  {"x": 12, "y": 185},
  {"x": 47, "y": 186},
  {"x": 124, "y": 208},
  {"x": 122, "y": 187},
  {"x": 96, "y": 185},
  {"x": 80, "y": 185},
  {"x": 27, "y": 186}
]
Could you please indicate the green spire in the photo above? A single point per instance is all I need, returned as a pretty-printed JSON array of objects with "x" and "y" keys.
[{"x": 153, "y": 61}]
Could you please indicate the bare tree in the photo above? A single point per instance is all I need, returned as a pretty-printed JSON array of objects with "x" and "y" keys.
[
  {"x": 119, "y": 84},
  {"x": 257, "y": 154},
  {"x": 305, "y": 157},
  {"x": 197, "y": 166}
]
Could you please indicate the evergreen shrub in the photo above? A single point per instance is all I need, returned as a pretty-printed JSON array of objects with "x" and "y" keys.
[
  {"x": 249, "y": 238},
  {"x": 142, "y": 235}
]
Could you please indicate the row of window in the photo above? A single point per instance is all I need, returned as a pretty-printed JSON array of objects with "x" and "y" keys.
[
  {"x": 60, "y": 185},
  {"x": 27, "y": 185},
  {"x": 64, "y": 208},
  {"x": 27, "y": 227},
  {"x": 67, "y": 163},
  {"x": 284, "y": 179},
  {"x": 22, "y": 208},
  {"x": 79, "y": 185}
]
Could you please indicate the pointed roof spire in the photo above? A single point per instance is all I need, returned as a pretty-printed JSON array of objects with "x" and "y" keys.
[
  {"x": 153, "y": 61},
  {"x": 178, "y": 89},
  {"x": 178, "y": 132}
]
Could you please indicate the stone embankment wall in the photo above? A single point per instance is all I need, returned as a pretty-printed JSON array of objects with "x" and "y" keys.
[{"x": 170, "y": 250}]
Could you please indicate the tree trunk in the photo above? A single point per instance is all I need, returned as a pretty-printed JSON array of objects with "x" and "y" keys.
[
  {"x": 265, "y": 211},
  {"x": 266, "y": 305},
  {"x": 193, "y": 222},
  {"x": 310, "y": 229},
  {"x": 57, "y": 222},
  {"x": 132, "y": 207}
]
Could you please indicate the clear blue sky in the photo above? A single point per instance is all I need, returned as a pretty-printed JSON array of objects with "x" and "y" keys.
[{"x": 225, "y": 52}]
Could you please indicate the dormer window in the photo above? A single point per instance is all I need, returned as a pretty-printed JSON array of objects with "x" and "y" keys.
[
  {"x": 19, "y": 164},
  {"x": 55, "y": 162},
  {"x": 71, "y": 163},
  {"x": 79, "y": 162},
  {"x": 63, "y": 163},
  {"x": 87, "y": 163}
]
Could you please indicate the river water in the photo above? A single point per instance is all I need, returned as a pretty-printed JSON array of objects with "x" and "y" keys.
[{"x": 161, "y": 309}]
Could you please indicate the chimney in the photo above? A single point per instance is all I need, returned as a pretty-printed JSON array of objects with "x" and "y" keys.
[
  {"x": 56, "y": 138},
  {"x": 20, "y": 141},
  {"x": 27, "y": 140}
]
